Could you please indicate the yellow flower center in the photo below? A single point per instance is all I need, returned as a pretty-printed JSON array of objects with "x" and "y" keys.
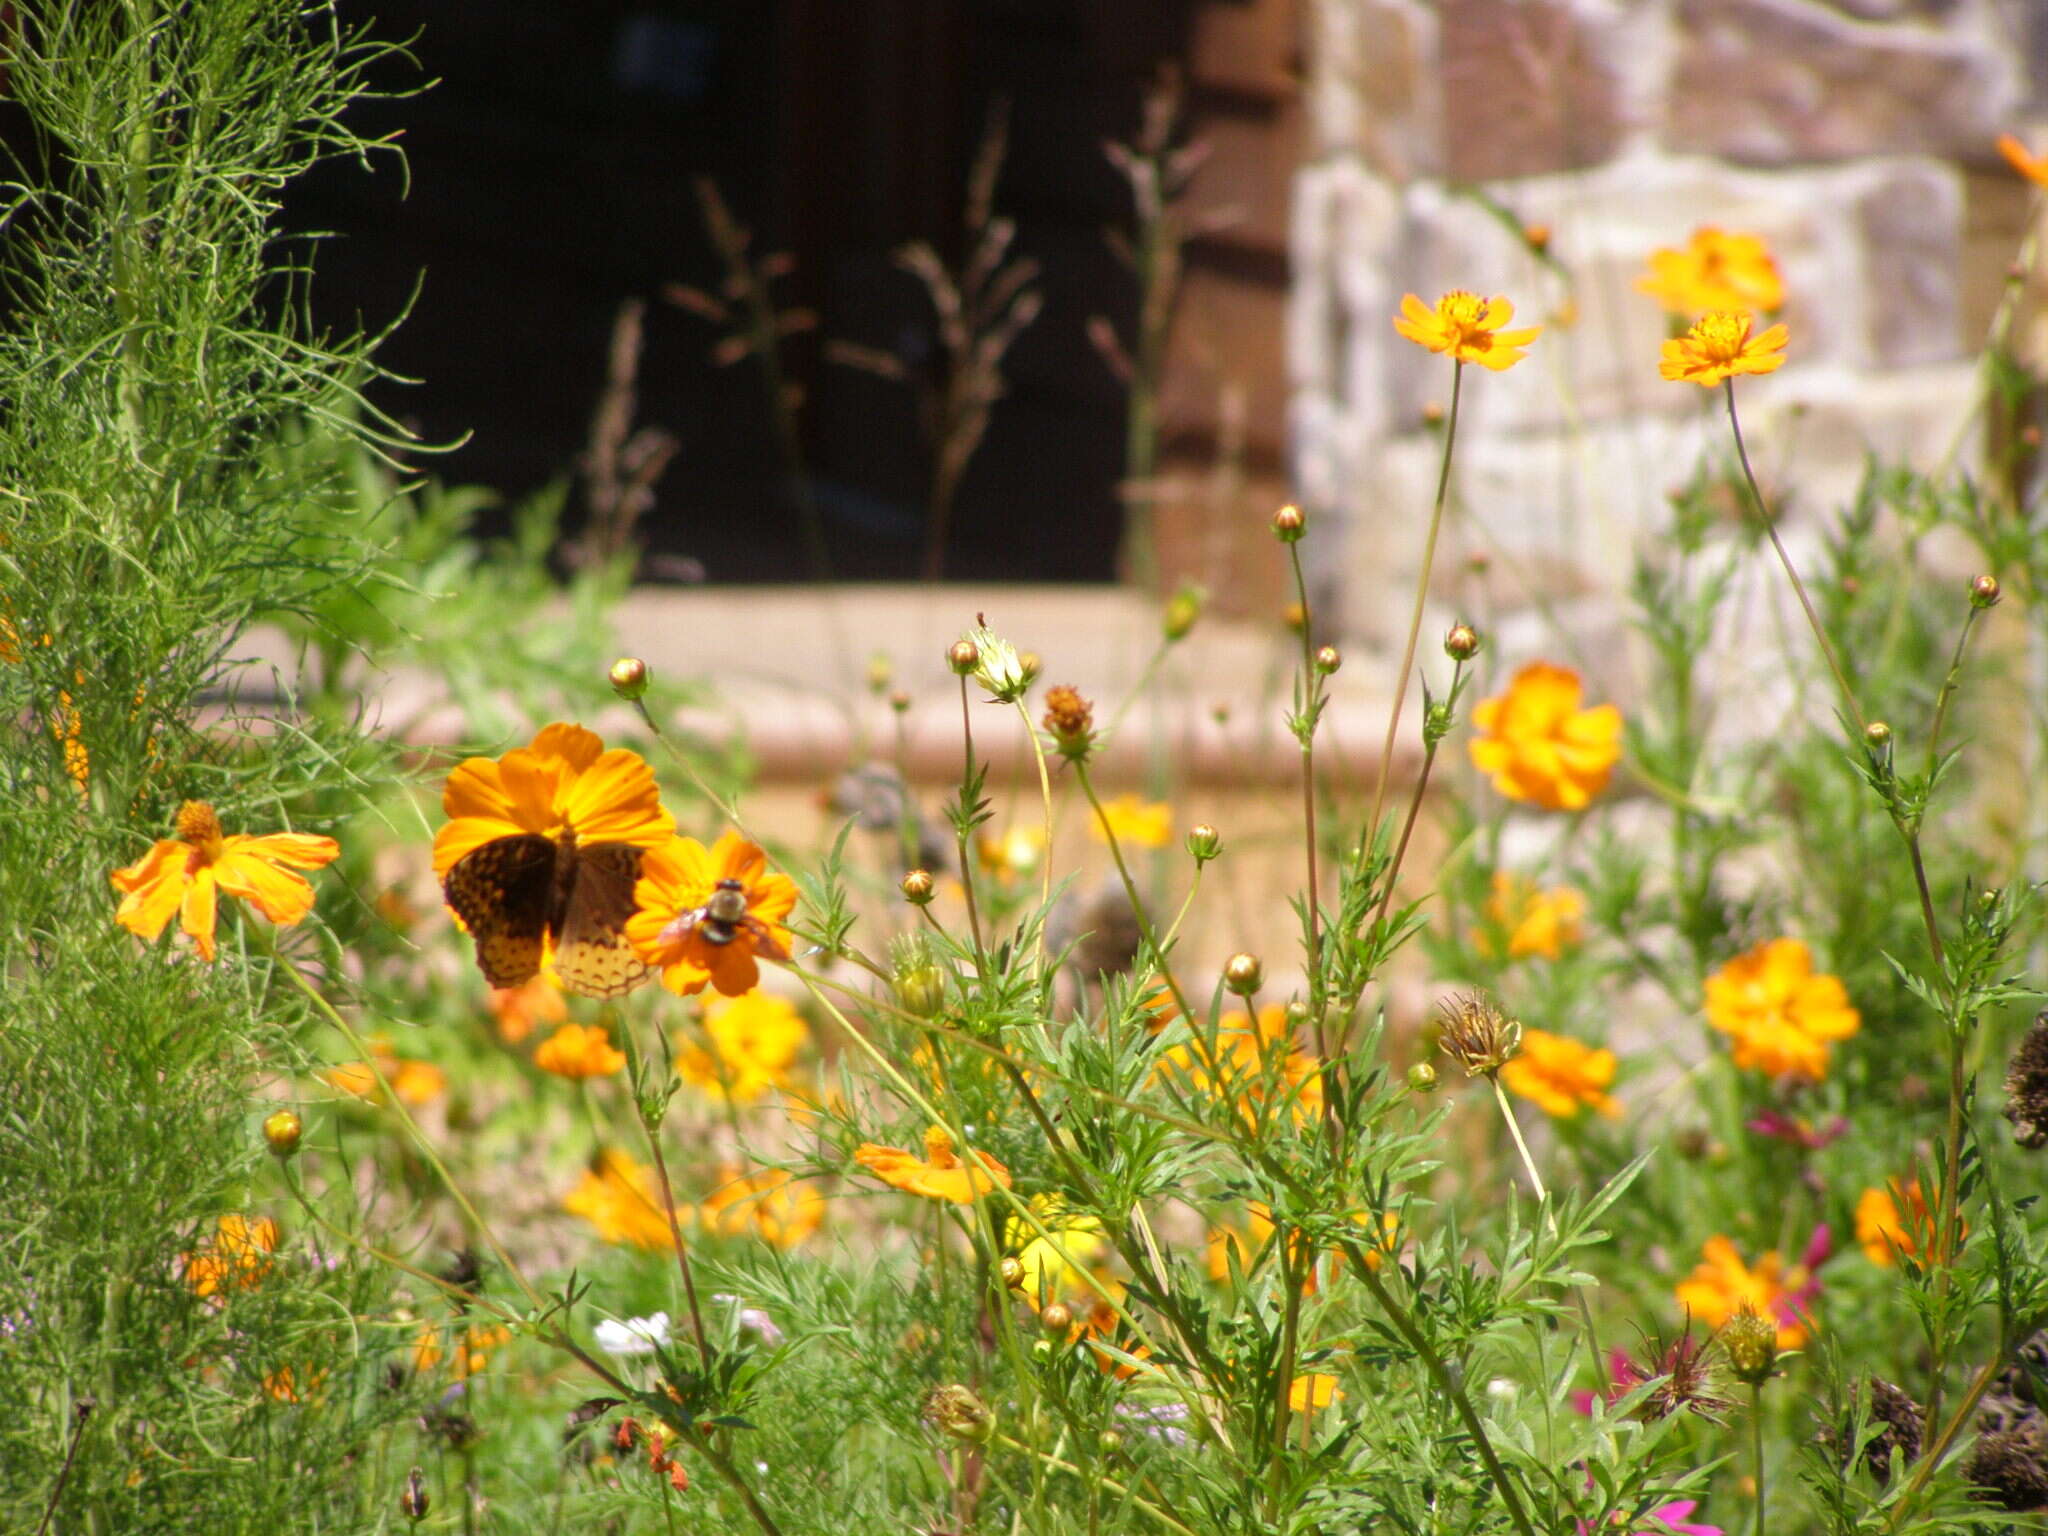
[
  {"x": 199, "y": 829},
  {"x": 938, "y": 1148},
  {"x": 1720, "y": 336},
  {"x": 1464, "y": 313}
]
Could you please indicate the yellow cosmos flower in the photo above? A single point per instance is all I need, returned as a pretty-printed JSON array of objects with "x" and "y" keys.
[
  {"x": 285, "y": 1385},
  {"x": 563, "y": 786},
  {"x": 939, "y": 1174},
  {"x": 2033, "y": 167},
  {"x": 1719, "y": 1286},
  {"x": 1561, "y": 1076},
  {"x": 680, "y": 929},
  {"x": 1012, "y": 854},
  {"x": 622, "y": 1200},
  {"x": 1780, "y": 1013},
  {"x": 579, "y": 1050},
  {"x": 1131, "y": 821},
  {"x": 1051, "y": 1268},
  {"x": 1714, "y": 270},
  {"x": 237, "y": 1254},
  {"x": 753, "y": 1039},
  {"x": 1719, "y": 346},
  {"x": 184, "y": 874},
  {"x": 1893, "y": 1221},
  {"x": 1468, "y": 327},
  {"x": 1538, "y": 745},
  {"x": 1312, "y": 1390},
  {"x": 1537, "y": 922},
  {"x": 770, "y": 1205},
  {"x": 476, "y": 1345}
]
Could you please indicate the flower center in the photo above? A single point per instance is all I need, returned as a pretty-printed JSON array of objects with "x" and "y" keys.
[
  {"x": 1464, "y": 313},
  {"x": 938, "y": 1148},
  {"x": 199, "y": 830},
  {"x": 1720, "y": 335}
]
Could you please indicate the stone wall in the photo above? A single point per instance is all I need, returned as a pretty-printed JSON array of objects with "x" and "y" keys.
[{"x": 1856, "y": 136}]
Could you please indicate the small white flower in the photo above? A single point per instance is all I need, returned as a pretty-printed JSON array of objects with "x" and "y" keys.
[
  {"x": 635, "y": 1336},
  {"x": 752, "y": 1319}
]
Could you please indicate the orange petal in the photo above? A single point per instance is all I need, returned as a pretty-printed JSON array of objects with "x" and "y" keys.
[
  {"x": 154, "y": 886},
  {"x": 615, "y": 800},
  {"x": 197, "y": 912},
  {"x": 572, "y": 743},
  {"x": 277, "y": 893}
]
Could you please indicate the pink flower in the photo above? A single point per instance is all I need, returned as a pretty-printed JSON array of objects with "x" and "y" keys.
[
  {"x": 1666, "y": 1520},
  {"x": 1797, "y": 1132}
]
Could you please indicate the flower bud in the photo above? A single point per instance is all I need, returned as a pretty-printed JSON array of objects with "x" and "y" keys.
[
  {"x": 1204, "y": 842},
  {"x": 412, "y": 1498},
  {"x": 1289, "y": 524},
  {"x": 1243, "y": 973},
  {"x": 899, "y": 701},
  {"x": 1110, "y": 1442},
  {"x": 1433, "y": 414},
  {"x": 1070, "y": 721},
  {"x": 629, "y": 678},
  {"x": 1181, "y": 611},
  {"x": 281, "y": 1133},
  {"x": 964, "y": 657},
  {"x": 1328, "y": 660},
  {"x": 1749, "y": 1341},
  {"x": 1422, "y": 1078},
  {"x": 918, "y": 887},
  {"x": 955, "y": 1411},
  {"x": 1536, "y": 237},
  {"x": 1295, "y": 617},
  {"x": 915, "y": 978},
  {"x": 1012, "y": 1272},
  {"x": 1057, "y": 1317},
  {"x": 881, "y": 672},
  {"x": 1461, "y": 642},
  {"x": 1029, "y": 665},
  {"x": 1878, "y": 734},
  {"x": 1984, "y": 592}
]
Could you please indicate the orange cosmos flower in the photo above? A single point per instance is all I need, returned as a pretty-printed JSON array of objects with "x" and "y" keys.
[
  {"x": 285, "y": 1386},
  {"x": 522, "y": 1009},
  {"x": 1466, "y": 326},
  {"x": 564, "y": 786},
  {"x": 2033, "y": 167},
  {"x": 1251, "y": 1061},
  {"x": 237, "y": 1254},
  {"x": 703, "y": 915},
  {"x": 621, "y": 1199},
  {"x": 1779, "y": 1012},
  {"x": 1720, "y": 1285},
  {"x": 578, "y": 1051},
  {"x": 939, "y": 1175},
  {"x": 1542, "y": 923},
  {"x": 1715, "y": 270},
  {"x": 1537, "y": 744},
  {"x": 779, "y": 1210},
  {"x": 1562, "y": 1076},
  {"x": 184, "y": 874},
  {"x": 1719, "y": 346},
  {"x": 1893, "y": 1221},
  {"x": 414, "y": 1082}
]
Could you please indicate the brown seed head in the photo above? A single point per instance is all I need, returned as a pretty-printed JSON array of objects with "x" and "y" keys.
[
  {"x": 1461, "y": 642},
  {"x": 2009, "y": 1465},
  {"x": 1289, "y": 525},
  {"x": 1070, "y": 721},
  {"x": 918, "y": 887},
  {"x": 2026, "y": 1087},
  {"x": 1476, "y": 1034},
  {"x": 629, "y": 677},
  {"x": 1243, "y": 973}
]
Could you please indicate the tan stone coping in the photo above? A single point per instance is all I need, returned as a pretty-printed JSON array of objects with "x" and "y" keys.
[{"x": 789, "y": 666}]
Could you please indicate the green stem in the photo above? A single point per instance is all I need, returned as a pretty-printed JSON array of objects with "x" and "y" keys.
[
  {"x": 1370, "y": 832},
  {"x": 1405, "y": 1325},
  {"x": 1312, "y": 694},
  {"x": 1131, "y": 892},
  {"x": 966, "y": 862},
  {"x": 1756, "y": 1443},
  {"x": 1120, "y": 1490},
  {"x": 1507, "y": 1112}
]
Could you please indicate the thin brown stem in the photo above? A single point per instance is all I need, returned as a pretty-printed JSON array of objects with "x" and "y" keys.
[
  {"x": 675, "y": 1232},
  {"x": 80, "y": 1412}
]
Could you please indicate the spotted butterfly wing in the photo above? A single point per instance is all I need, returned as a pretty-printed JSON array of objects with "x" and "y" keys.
[
  {"x": 503, "y": 892},
  {"x": 515, "y": 893},
  {"x": 592, "y": 955}
]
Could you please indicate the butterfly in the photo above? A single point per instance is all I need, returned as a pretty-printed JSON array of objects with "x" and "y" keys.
[{"x": 515, "y": 895}]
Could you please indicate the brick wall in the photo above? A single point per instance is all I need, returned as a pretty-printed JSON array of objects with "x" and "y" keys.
[{"x": 1855, "y": 135}]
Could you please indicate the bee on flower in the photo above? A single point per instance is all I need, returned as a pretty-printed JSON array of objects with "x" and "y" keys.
[{"x": 704, "y": 915}]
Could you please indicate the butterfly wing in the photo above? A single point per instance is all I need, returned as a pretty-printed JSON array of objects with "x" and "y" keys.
[
  {"x": 592, "y": 955},
  {"x": 502, "y": 892},
  {"x": 766, "y": 945}
]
